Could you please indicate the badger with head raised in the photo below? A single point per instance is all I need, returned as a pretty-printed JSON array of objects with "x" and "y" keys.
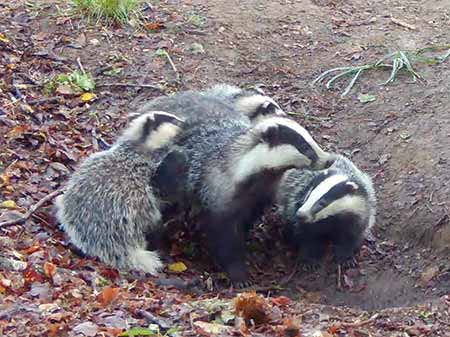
[
  {"x": 234, "y": 168},
  {"x": 117, "y": 196},
  {"x": 219, "y": 101},
  {"x": 336, "y": 205}
]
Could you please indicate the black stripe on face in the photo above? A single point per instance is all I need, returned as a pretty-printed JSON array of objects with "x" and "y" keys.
[
  {"x": 286, "y": 135},
  {"x": 337, "y": 192},
  {"x": 163, "y": 118}
]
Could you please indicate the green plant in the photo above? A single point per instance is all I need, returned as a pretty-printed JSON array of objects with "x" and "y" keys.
[
  {"x": 118, "y": 11},
  {"x": 80, "y": 81},
  {"x": 399, "y": 61}
]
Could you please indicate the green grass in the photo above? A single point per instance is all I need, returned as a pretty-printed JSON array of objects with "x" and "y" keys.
[
  {"x": 397, "y": 62},
  {"x": 115, "y": 11}
]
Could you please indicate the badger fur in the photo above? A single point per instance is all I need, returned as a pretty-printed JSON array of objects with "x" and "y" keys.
[
  {"x": 234, "y": 168},
  {"x": 111, "y": 201},
  {"x": 219, "y": 101},
  {"x": 336, "y": 205}
]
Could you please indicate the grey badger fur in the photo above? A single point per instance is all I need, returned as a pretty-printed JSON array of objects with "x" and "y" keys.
[
  {"x": 234, "y": 168},
  {"x": 337, "y": 205},
  {"x": 219, "y": 101},
  {"x": 111, "y": 201}
]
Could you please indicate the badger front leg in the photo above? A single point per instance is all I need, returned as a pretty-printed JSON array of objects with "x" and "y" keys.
[{"x": 226, "y": 239}]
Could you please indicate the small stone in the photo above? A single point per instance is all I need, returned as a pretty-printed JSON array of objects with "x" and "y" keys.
[{"x": 196, "y": 48}]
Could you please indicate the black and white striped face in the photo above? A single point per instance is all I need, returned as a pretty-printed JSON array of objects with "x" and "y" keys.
[
  {"x": 153, "y": 129},
  {"x": 254, "y": 103},
  {"x": 331, "y": 194},
  {"x": 281, "y": 143}
]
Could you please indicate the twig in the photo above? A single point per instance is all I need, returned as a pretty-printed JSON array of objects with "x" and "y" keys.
[
  {"x": 339, "y": 276},
  {"x": 81, "y": 66},
  {"x": 358, "y": 324},
  {"x": 54, "y": 99},
  {"x": 32, "y": 209},
  {"x": 133, "y": 85},
  {"x": 172, "y": 64}
]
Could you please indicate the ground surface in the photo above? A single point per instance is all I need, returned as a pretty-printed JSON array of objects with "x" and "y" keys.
[{"x": 400, "y": 138}]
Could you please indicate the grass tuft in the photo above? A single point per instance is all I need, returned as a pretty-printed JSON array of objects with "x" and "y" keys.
[
  {"x": 399, "y": 61},
  {"x": 115, "y": 11}
]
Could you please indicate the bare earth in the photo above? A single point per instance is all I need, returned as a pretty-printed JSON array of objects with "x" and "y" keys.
[{"x": 401, "y": 139}]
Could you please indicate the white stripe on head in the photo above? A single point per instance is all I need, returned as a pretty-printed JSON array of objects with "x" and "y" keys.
[
  {"x": 156, "y": 138},
  {"x": 319, "y": 191},
  {"x": 276, "y": 120},
  {"x": 350, "y": 203},
  {"x": 262, "y": 157},
  {"x": 249, "y": 104}
]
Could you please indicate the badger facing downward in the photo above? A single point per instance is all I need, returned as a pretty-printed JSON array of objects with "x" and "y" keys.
[
  {"x": 110, "y": 202},
  {"x": 337, "y": 205},
  {"x": 219, "y": 101},
  {"x": 233, "y": 172}
]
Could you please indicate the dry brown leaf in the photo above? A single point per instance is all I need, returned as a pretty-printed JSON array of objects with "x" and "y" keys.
[
  {"x": 291, "y": 328},
  {"x": 49, "y": 269},
  {"x": 429, "y": 274},
  {"x": 281, "y": 301},
  {"x": 251, "y": 306},
  {"x": 212, "y": 329},
  {"x": 108, "y": 295}
]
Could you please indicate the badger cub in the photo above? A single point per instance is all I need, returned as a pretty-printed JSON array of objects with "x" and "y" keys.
[
  {"x": 219, "y": 101},
  {"x": 234, "y": 168},
  {"x": 115, "y": 196},
  {"x": 337, "y": 205}
]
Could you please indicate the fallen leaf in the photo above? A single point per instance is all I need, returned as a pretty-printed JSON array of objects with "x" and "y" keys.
[
  {"x": 17, "y": 131},
  {"x": 366, "y": 98},
  {"x": 281, "y": 301},
  {"x": 154, "y": 26},
  {"x": 214, "y": 329},
  {"x": 3, "y": 38},
  {"x": 87, "y": 97},
  {"x": 251, "y": 306},
  {"x": 32, "y": 249},
  {"x": 429, "y": 274},
  {"x": 10, "y": 204},
  {"x": 108, "y": 295},
  {"x": 291, "y": 328},
  {"x": 88, "y": 329},
  {"x": 49, "y": 269},
  {"x": 65, "y": 89},
  {"x": 177, "y": 267},
  {"x": 136, "y": 331}
]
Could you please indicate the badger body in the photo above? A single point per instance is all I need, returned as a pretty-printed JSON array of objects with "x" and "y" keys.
[
  {"x": 336, "y": 205},
  {"x": 116, "y": 196},
  {"x": 233, "y": 171},
  {"x": 219, "y": 101}
]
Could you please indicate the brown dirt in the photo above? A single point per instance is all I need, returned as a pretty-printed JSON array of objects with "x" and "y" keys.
[{"x": 400, "y": 139}]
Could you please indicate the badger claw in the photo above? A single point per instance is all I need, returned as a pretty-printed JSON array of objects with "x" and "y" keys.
[
  {"x": 349, "y": 263},
  {"x": 242, "y": 284},
  {"x": 310, "y": 266}
]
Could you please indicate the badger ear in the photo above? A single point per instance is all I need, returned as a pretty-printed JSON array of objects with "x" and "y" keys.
[
  {"x": 271, "y": 135},
  {"x": 353, "y": 186}
]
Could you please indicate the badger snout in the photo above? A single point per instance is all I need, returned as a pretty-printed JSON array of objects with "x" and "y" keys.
[{"x": 303, "y": 217}]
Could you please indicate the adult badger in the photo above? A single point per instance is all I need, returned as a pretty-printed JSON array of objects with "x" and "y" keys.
[
  {"x": 219, "y": 101},
  {"x": 337, "y": 205},
  {"x": 234, "y": 168},
  {"x": 116, "y": 196}
]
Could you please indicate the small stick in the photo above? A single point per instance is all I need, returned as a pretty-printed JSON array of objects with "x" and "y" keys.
[
  {"x": 80, "y": 65},
  {"x": 156, "y": 87},
  {"x": 54, "y": 99},
  {"x": 172, "y": 64},
  {"x": 339, "y": 276},
  {"x": 358, "y": 324},
  {"x": 32, "y": 209}
]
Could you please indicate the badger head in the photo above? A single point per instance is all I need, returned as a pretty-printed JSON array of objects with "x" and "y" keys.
[
  {"x": 255, "y": 104},
  {"x": 332, "y": 194},
  {"x": 278, "y": 144},
  {"x": 153, "y": 129}
]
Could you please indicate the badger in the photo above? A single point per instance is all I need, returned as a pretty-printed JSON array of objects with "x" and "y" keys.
[
  {"x": 117, "y": 196},
  {"x": 233, "y": 170},
  {"x": 221, "y": 100},
  {"x": 336, "y": 205}
]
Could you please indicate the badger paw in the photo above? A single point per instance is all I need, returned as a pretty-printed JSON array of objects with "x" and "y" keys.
[
  {"x": 242, "y": 284},
  {"x": 310, "y": 266},
  {"x": 349, "y": 263}
]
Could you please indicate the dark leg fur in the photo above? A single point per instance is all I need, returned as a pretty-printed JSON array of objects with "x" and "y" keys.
[
  {"x": 346, "y": 245},
  {"x": 312, "y": 251},
  {"x": 227, "y": 245},
  {"x": 170, "y": 178}
]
